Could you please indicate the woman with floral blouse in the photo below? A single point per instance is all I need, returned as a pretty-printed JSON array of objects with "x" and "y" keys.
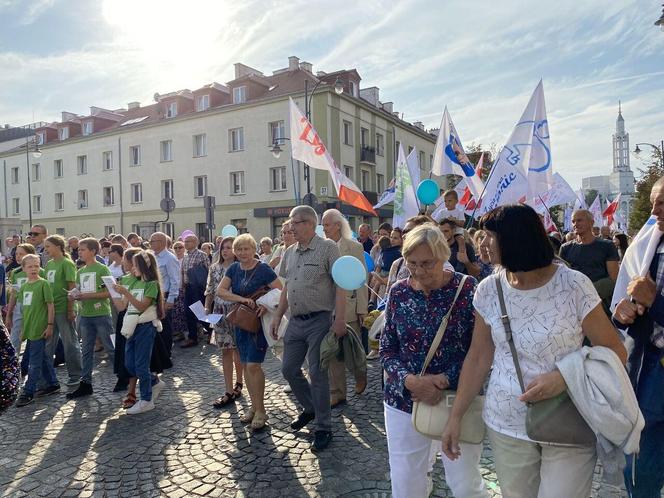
[{"x": 415, "y": 309}]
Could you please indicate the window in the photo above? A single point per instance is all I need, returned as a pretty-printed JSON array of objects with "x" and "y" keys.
[
  {"x": 364, "y": 134},
  {"x": 365, "y": 182},
  {"x": 200, "y": 186},
  {"x": 36, "y": 172},
  {"x": 239, "y": 95},
  {"x": 380, "y": 145},
  {"x": 16, "y": 206},
  {"x": 59, "y": 201},
  {"x": 107, "y": 160},
  {"x": 63, "y": 133},
  {"x": 58, "y": 170},
  {"x": 36, "y": 204},
  {"x": 422, "y": 165},
  {"x": 167, "y": 189},
  {"x": 171, "y": 110},
  {"x": 87, "y": 128},
  {"x": 348, "y": 171},
  {"x": 380, "y": 183},
  {"x": 82, "y": 165},
  {"x": 397, "y": 144},
  {"x": 240, "y": 224},
  {"x": 136, "y": 228},
  {"x": 353, "y": 88},
  {"x": 430, "y": 162},
  {"x": 236, "y": 139},
  {"x": 200, "y": 145},
  {"x": 109, "y": 198},
  {"x": 202, "y": 102},
  {"x": 348, "y": 133},
  {"x": 278, "y": 178},
  {"x": 135, "y": 155},
  {"x": 60, "y": 231},
  {"x": 166, "y": 147},
  {"x": 136, "y": 193},
  {"x": 410, "y": 149},
  {"x": 40, "y": 138},
  {"x": 169, "y": 229},
  {"x": 237, "y": 182},
  {"x": 108, "y": 230},
  {"x": 15, "y": 176},
  {"x": 82, "y": 199},
  {"x": 277, "y": 132}
]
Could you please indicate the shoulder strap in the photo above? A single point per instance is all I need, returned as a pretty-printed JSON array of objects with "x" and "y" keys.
[
  {"x": 508, "y": 331},
  {"x": 441, "y": 330}
]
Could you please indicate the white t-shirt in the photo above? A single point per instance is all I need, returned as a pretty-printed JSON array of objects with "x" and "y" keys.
[
  {"x": 442, "y": 212},
  {"x": 546, "y": 326}
]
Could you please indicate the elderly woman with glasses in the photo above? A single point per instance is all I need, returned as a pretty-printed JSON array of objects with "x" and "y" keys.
[{"x": 415, "y": 309}]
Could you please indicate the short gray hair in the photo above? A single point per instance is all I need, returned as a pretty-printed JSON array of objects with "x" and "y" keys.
[
  {"x": 429, "y": 235},
  {"x": 306, "y": 212},
  {"x": 337, "y": 217}
]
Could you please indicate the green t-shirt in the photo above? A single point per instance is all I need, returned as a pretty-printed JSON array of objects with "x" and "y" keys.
[
  {"x": 89, "y": 279},
  {"x": 34, "y": 296},
  {"x": 141, "y": 289},
  {"x": 59, "y": 274},
  {"x": 18, "y": 277}
]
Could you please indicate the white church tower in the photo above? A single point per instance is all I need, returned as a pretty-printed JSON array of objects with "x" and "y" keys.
[{"x": 621, "y": 180}]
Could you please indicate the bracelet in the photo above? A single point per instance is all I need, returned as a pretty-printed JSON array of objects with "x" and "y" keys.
[{"x": 49, "y": 324}]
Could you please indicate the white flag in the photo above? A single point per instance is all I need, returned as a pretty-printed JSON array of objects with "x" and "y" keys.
[
  {"x": 414, "y": 167},
  {"x": 387, "y": 196},
  {"x": 405, "y": 199},
  {"x": 580, "y": 202},
  {"x": 596, "y": 210},
  {"x": 560, "y": 193},
  {"x": 449, "y": 157}
]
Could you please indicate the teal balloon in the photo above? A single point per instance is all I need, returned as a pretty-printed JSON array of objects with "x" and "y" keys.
[
  {"x": 369, "y": 261},
  {"x": 348, "y": 273},
  {"x": 319, "y": 231},
  {"x": 229, "y": 231},
  {"x": 427, "y": 191},
  {"x": 354, "y": 234}
]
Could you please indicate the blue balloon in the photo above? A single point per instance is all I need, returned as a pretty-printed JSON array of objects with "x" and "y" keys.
[
  {"x": 354, "y": 234},
  {"x": 427, "y": 191},
  {"x": 348, "y": 273},
  {"x": 369, "y": 261},
  {"x": 229, "y": 231},
  {"x": 319, "y": 231}
]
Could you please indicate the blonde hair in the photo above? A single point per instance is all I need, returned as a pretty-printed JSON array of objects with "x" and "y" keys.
[
  {"x": 244, "y": 239},
  {"x": 29, "y": 257},
  {"x": 266, "y": 240},
  {"x": 430, "y": 235}
]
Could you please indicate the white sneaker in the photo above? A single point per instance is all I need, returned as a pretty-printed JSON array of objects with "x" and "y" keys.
[
  {"x": 287, "y": 389},
  {"x": 157, "y": 389},
  {"x": 140, "y": 407}
]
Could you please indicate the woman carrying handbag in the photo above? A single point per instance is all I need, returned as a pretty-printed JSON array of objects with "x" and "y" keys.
[{"x": 548, "y": 308}]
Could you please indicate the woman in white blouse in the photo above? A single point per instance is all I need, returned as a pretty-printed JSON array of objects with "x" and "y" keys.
[{"x": 551, "y": 308}]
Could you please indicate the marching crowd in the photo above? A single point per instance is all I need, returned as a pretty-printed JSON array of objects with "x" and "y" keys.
[{"x": 552, "y": 346}]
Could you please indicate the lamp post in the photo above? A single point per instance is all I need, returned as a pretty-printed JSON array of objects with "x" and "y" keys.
[
  {"x": 659, "y": 149},
  {"x": 36, "y": 154},
  {"x": 308, "y": 96}
]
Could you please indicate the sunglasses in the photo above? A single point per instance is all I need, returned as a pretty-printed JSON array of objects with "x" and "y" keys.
[{"x": 32, "y": 234}]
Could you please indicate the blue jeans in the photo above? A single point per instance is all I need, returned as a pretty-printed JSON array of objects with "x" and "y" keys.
[
  {"x": 650, "y": 460},
  {"x": 138, "y": 352},
  {"x": 90, "y": 328},
  {"x": 40, "y": 364},
  {"x": 64, "y": 329},
  {"x": 17, "y": 325}
]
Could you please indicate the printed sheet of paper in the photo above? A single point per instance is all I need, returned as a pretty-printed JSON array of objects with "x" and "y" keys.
[
  {"x": 199, "y": 310},
  {"x": 109, "y": 282}
]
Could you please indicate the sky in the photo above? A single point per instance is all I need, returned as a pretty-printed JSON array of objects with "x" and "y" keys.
[{"x": 480, "y": 58}]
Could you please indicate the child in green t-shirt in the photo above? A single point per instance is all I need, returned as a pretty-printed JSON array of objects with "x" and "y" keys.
[{"x": 36, "y": 299}]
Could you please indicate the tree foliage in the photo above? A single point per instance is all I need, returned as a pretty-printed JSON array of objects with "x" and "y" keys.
[
  {"x": 590, "y": 196},
  {"x": 641, "y": 206}
]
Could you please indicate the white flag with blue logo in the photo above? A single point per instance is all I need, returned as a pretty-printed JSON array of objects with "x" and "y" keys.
[
  {"x": 449, "y": 158},
  {"x": 387, "y": 196}
]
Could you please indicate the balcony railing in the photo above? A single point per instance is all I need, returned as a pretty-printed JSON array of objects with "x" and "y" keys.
[{"x": 368, "y": 155}]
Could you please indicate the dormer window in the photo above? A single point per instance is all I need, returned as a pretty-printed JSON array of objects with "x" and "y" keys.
[
  {"x": 353, "y": 88},
  {"x": 172, "y": 110},
  {"x": 87, "y": 127},
  {"x": 202, "y": 103},
  {"x": 40, "y": 138},
  {"x": 239, "y": 95},
  {"x": 63, "y": 133}
]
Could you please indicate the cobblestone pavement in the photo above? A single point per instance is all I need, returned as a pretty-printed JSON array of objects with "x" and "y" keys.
[{"x": 184, "y": 447}]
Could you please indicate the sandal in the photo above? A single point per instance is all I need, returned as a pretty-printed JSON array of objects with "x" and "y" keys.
[
  {"x": 237, "y": 390},
  {"x": 248, "y": 416},
  {"x": 226, "y": 399},
  {"x": 259, "y": 420},
  {"x": 129, "y": 401}
]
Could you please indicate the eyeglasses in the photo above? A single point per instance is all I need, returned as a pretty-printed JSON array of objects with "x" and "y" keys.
[
  {"x": 424, "y": 265},
  {"x": 32, "y": 234}
]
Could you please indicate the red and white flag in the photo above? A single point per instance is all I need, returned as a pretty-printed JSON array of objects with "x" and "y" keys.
[
  {"x": 308, "y": 147},
  {"x": 610, "y": 211}
]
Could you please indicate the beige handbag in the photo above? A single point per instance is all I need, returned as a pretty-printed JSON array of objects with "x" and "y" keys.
[{"x": 430, "y": 420}]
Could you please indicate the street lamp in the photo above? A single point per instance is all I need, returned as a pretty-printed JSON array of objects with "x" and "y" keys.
[
  {"x": 659, "y": 149},
  {"x": 660, "y": 22},
  {"x": 36, "y": 154}
]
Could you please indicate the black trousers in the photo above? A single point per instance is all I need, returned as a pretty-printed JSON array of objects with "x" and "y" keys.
[
  {"x": 167, "y": 332},
  {"x": 191, "y": 295}
]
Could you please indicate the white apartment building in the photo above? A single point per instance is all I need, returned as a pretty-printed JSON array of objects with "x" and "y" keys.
[{"x": 107, "y": 171}]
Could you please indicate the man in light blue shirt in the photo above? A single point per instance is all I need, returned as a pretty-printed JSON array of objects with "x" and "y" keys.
[{"x": 169, "y": 268}]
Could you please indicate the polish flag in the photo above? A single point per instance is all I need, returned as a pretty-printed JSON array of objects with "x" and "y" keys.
[
  {"x": 308, "y": 147},
  {"x": 610, "y": 211},
  {"x": 467, "y": 199}
]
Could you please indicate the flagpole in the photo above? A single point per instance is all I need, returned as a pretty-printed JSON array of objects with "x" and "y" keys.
[
  {"x": 554, "y": 221},
  {"x": 477, "y": 204}
]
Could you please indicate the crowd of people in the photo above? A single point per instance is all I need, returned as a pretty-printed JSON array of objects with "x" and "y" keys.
[{"x": 502, "y": 312}]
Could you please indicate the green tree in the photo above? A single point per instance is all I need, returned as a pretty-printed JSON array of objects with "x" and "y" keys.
[
  {"x": 590, "y": 196},
  {"x": 641, "y": 206}
]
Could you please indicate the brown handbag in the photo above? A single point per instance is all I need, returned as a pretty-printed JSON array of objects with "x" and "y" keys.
[
  {"x": 555, "y": 420},
  {"x": 245, "y": 317}
]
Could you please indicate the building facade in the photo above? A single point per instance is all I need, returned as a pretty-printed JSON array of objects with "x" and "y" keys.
[{"x": 108, "y": 171}]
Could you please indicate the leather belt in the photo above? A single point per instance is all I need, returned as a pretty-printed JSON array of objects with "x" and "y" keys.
[{"x": 309, "y": 316}]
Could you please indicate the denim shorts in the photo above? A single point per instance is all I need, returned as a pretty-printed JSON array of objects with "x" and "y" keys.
[{"x": 252, "y": 347}]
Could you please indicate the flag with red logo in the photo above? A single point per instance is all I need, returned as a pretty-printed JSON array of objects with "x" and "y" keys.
[
  {"x": 610, "y": 211},
  {"x": 308, "y": 147}
]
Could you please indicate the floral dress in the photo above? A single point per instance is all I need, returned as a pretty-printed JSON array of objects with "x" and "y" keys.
[
  {"x": 9, "y": 376},
  {"x": 223, "y": 334}
]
